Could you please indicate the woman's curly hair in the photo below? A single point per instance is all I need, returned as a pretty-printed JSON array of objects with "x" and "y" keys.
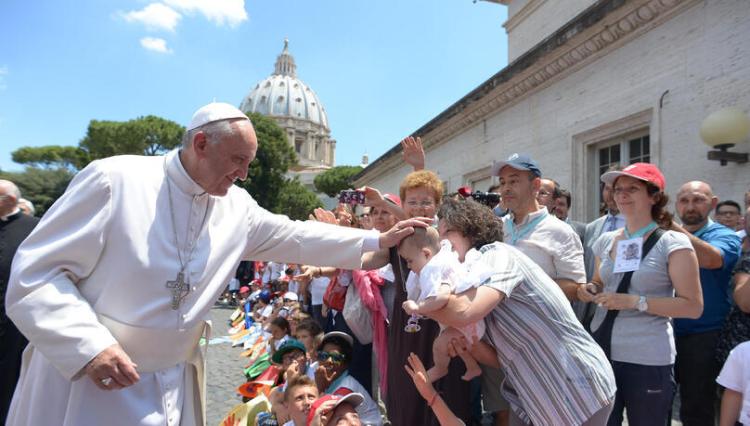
[
  {"x": 473, "y": 220},
  {"x": 419, "y": 179}
]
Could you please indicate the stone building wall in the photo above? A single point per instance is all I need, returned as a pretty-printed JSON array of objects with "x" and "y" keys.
[{"x": 662, "y": 83}]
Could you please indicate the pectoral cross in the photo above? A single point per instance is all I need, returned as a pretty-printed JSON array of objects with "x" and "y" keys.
[{"x": 179, "y": 289}]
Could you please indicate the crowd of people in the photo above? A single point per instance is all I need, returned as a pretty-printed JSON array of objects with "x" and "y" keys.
[
  {"x": 413, "y": 309},
  {"x": 554, "y": 321}
]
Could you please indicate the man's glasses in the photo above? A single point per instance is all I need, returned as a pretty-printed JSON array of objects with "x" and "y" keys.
[{"x": 333, "y": 356}]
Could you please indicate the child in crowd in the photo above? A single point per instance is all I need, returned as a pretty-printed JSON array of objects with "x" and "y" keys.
[
  {"x": 280, "y": 333},
  {"x": 735, "y": 377},
  {"x": 435, "y": 275}
]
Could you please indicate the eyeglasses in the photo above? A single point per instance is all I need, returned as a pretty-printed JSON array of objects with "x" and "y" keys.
[
  {"x": 336, "y": 357},
  {"x": 544, "y": 194},
  {"x": 291, "y": 356},
  {"x": 427, "y": 203},
  {"x": 727, "y": 213}
]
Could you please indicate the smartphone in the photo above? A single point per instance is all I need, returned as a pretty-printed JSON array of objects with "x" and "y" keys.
[{"x": 352, "y": 196}]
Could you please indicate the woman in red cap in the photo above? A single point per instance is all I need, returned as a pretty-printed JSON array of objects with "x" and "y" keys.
[{"x": 645, "y": 275}]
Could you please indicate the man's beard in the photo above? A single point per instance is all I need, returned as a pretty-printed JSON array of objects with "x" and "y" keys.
[{"x": 692, "y": 218}]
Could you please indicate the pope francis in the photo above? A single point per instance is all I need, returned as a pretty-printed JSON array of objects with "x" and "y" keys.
[{"x": 113, "y": 287}]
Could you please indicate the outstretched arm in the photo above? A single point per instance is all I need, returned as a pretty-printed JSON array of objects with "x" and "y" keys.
[
  {"x": 415, "y": 369},
  {"x": 468, "y": 307}
]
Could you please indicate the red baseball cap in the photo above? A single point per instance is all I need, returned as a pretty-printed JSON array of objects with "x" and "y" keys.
[
  {"x": 351, "y": 397},
  {"x": 642, "y": 171},
  {"x": 395, "y": 199}
]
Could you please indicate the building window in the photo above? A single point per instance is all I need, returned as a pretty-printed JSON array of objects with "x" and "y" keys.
[
  {"x": 639, "y": 150},
  {"x": 625, "y": 150},
  {"x": 298, "y": 146}
]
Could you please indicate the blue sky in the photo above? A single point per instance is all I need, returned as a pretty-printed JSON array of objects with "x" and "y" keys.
[{"x": 382, "y": 69}]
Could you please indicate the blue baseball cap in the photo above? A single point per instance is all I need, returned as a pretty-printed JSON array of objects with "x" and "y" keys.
[{"x": 519, "y": 162}]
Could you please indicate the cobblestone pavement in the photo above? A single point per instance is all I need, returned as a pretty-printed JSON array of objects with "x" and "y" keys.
[{"x": 224, "y": 373}]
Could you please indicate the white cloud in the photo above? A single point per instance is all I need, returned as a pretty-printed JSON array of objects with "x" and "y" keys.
[
  {"x": 158, "y": 45},
  {"x": 220, "y": 12},
  {"x": 3, "y": 73},
  {"x": 155, "y": 16}
]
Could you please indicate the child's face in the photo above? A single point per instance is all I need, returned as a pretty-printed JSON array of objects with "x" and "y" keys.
[
  {"x": 415, "y": 257},
  {"x": 277, "y": 332}
]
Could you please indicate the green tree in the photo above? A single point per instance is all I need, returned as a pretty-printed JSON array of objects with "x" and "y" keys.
[
  {"x": 332, "y": 181},
  {"x": 40, "y": 186},
  {"x": 266, "y": 176},
  {"x": 296, "y": 201},
  {"x": 149, "y": 135},
  {"x": 51, "y": 157}
]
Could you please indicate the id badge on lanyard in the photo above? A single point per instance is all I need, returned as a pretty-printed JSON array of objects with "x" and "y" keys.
[{"x": 628, "y": 255}]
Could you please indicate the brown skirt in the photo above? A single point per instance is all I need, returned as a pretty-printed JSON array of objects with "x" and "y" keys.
[{"x": 404, "y": 404}]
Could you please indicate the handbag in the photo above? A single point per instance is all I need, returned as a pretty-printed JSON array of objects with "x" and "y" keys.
[
  {"x": 603, "y": 334},
  {"x": 335, "y": 295},
  {"x": 357, "y": 316}
]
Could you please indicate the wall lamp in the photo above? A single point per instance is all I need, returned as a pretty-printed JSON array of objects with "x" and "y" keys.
[{"x": 723, "y": 129}]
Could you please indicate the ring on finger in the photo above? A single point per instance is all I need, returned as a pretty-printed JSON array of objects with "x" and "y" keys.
[{"x": 106, "y": 381}]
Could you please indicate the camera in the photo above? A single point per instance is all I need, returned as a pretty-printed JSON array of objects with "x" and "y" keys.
[
  {"x": 489, "y": 199},
  {"x": 352, "y": 197}
]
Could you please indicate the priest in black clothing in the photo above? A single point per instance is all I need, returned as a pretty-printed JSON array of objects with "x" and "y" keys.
[{"x": 15, "y": 226}]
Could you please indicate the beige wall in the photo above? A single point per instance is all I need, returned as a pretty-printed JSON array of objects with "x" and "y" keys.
[
  {"x": 531, "y": 21},
  {"x": 701, "y": 57}
]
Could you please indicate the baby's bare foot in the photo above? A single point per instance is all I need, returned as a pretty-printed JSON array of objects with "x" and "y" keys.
[{"x": 471, "y": 373}]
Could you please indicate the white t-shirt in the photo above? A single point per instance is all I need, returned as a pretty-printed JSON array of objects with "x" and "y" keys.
[
  {"x": 735, "y": 375},
  {"x": 442, "y": 268},
  {"x": 318, "y": 289}
]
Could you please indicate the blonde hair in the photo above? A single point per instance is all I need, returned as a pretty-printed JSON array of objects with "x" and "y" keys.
[{"x": 419, "y": 179}]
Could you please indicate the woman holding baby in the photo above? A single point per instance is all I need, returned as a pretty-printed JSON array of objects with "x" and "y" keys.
[{"x": 555, "y": 372}]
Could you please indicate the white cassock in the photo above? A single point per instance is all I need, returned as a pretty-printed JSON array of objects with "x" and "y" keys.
[{"x": 94, "y": 273}]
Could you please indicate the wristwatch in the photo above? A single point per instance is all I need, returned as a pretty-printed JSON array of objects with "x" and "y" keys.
[{"x": 642, "y": 305}]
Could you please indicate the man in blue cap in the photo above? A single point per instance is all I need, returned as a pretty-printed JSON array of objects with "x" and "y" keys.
[{"x": 549, "y": 242}]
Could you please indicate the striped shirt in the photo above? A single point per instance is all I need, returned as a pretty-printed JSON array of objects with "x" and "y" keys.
[{"x": 556, "y": 373}]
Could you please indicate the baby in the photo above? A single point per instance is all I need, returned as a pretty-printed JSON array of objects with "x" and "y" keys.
[{"x": 434, "y": 276}]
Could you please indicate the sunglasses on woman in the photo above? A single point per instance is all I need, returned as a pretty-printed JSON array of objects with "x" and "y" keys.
[{"x": 333, "y": 356}]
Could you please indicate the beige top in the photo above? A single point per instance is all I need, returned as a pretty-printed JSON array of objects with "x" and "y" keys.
[{"x": 552, "y": 244}]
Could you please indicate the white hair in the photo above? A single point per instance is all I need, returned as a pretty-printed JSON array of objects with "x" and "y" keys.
[
  {"x": 29, "y": 205},
  {"x": 215, "y": 131},
  {"x": 11, "y": 188}
]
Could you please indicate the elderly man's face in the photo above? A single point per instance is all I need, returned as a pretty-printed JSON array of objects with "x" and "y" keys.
[
  {"x": 227, "y": 160},
  {"x": 8, "y": 201}
]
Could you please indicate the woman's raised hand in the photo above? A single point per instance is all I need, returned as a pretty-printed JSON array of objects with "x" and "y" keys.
[
  {"x": 413, "y": 153},
  {"x": 418, "y": 375}
]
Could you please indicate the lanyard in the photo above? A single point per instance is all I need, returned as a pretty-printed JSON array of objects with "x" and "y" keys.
[
  {"x": 522, "y": 231},
  {"x": 641, "y": 232},
  {"x": 699, "y": 233}
]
